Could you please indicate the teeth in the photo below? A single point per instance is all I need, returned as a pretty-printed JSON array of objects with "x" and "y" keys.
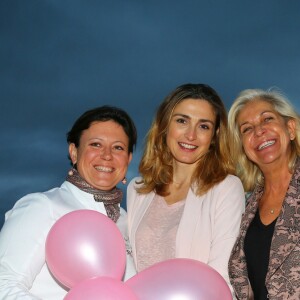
[
  {"x": 104, "y": 169},
  {"x": 187, "y": 146},
  {"x": 266, "y": 144}
]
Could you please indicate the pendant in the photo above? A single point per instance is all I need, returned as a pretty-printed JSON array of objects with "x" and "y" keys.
[{"x": 272, "y": 211}]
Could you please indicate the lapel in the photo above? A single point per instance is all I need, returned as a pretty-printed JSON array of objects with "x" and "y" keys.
[
  {"x": 237, "y": 265},
  {"x": 251, "y": 208},
  {"x": 141, "y": 205},
  {"x": 287, "y": 232},
  {"x": 286, "y": 235},
  {"x": 187, "y": 226}
]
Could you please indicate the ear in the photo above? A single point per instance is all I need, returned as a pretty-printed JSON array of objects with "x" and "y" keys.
[
  {"x": 216, "y": 136},
  {"x": 291, "y": 126},
  {"x": 73, "y": 153},
  {"x": 129, "y": 158}
]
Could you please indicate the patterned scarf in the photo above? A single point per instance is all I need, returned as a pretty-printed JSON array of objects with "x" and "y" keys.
[{"x": 111, "y": 199}]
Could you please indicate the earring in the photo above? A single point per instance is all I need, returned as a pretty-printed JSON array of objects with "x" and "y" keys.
[
  {"x": 124, "y": 181},
  {"x": 71, "y": 172}
]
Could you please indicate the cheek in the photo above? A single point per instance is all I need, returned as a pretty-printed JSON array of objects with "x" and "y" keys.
[
  {"x": 173, "y": 132},
  {"x": 84, "y": 156},
  {"x": 124, "y": 162},
  {"x": 249, "y": 151},
  {"x": 286, "y": 139},
  {"x": 169, "y": 138},
  {"x": 168, "y": 141},
  {"x": 246, "y": 142},
  {"x": 207, "y": 140}
]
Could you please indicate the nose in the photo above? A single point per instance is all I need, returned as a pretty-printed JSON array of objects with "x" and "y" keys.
[
  {"x": 106, "y": 153},
  {"x": 259, "y": 130},
  {"x": 191, "y": 133}
]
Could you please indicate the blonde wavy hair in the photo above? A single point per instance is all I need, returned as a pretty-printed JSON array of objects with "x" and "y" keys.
[
  {"x": 249, "y": 172},
  {"x": 156, "y": 166}
]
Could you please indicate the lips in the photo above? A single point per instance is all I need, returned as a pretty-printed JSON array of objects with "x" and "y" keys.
[
  {"x": 104, "y": 169},
  {"x": 187, "y": 146},
  {"x": 265, "y": 144}
]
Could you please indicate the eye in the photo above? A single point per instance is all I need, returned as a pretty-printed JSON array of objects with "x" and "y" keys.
[
  {"x": 95, "y": 144},
  {"x": 181, "y": 120},
  {"x": 268, "y": 119},
  {"x": 246, "y": 129},
  {"x": 119, "y": 148},
  {"x": 204, "y": 126}
]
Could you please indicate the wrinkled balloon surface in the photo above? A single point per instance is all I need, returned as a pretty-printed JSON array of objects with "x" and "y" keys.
[
  {"x": 180, "y": 279},
  {"x": 84, "y": 244}
]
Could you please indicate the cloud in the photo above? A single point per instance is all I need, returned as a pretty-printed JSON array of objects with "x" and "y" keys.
[{"x": 60, "y": 58}]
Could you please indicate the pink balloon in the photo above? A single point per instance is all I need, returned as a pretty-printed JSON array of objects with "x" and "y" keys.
[
  {"x": 101, "y": 288},
  {"x": 84, "y": 244},
  {"x": 180, "y": 278}
]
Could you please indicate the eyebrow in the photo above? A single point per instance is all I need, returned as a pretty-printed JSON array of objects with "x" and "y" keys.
[
  {"x": 262, "y": 113},
  {"x": 101, "y": 139},
  {"x": 188, "y": 117}
]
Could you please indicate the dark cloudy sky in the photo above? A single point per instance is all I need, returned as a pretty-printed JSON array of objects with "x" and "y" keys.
[{"x": 59, "y": 58}]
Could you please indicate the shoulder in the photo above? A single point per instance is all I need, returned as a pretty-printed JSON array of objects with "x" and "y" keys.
[
  {"x": 134, "y": 184},
  {"x": 32, "y": 200},
  {"x": 232, "y": 179},
  {"x": 132, "y": 189},
  {"x": 136, "y": 181},
  {"x": 231, "y": 182},
  {"x": 136, "y": 200},
  {"x": 34, "y": 208},
  {"x": 41, "y": 202},
  {"x": 229, "y": 192}
]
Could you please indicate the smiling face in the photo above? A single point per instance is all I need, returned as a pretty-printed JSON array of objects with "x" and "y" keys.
[
  {"x": 102, "y": 156},
  {"x": 191, "y": 130},
  {"x": 265, "y": 134}
]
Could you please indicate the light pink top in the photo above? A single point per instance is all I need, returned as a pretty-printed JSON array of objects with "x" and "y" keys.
[
  {"x": 156, "y": 234},
  {"x": 208, "y": 227}
]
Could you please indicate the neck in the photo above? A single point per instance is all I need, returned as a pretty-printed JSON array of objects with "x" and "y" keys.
[
  {"x": 277, "y": 170},
  {"x": 277, "y": 180},
  {"x": 275, "y": 188},
  {"x": 111, "y": 199},
  {"x": 182, "y": 174}
]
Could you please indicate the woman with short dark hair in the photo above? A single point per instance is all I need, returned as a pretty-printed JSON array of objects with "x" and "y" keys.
[{"x": 100, "y": 148}]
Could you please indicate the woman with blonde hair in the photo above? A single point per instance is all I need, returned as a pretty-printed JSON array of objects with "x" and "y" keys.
[
  {"x": 265, "y": 142},
  {"x": 187, "y": 202}
]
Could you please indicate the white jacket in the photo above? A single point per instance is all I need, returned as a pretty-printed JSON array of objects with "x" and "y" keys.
[
  {"x": 23, "y": 270},
  {"x": 209, "y": 225}
]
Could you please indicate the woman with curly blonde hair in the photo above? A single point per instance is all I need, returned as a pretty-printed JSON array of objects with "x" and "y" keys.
[
  {"x": 187, "y": 202},
  {"x": 265, "y": 142}
]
